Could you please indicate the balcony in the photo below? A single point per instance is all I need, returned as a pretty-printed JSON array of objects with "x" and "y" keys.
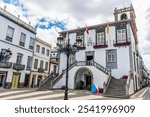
[
  {"x": 100, "y": 46},
  {"x": 82, "y": 48},
  {"x": 18, "y": 66},
  {"x": 122, "y": 44},
  {"x": 40, "y": 70},
  {"x": 5, "y": 65}
]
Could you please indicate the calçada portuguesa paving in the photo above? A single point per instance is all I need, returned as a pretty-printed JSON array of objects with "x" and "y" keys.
[{"x": 34, "y": 94}]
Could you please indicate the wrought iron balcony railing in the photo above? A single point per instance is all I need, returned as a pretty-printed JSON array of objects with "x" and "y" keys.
[
  {"x": 5, "y": 65},
  {"x": 18, "y": 66}
]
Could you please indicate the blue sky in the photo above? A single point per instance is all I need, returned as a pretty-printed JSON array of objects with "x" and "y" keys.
[
  {"x": 48, "y": 15},
  {"x": 43, "y": 22}
]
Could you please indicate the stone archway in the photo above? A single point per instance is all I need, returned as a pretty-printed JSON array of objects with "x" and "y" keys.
[{"x": 83, "y": 75}]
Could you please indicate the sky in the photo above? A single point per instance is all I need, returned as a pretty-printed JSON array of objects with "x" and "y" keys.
[{"x": 51, "y": 15}]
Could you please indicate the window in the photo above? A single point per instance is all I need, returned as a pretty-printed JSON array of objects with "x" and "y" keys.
[
  {"x": 47, "y": 53},
  {"x": 41, "y": 64},
  {"x": 46, "y": 66},
  {"x": 111, "y": 59},
  {"x": 43, "y": 50},
  {"x": 10, "y": 33},
  {"x": 31, "y": 45},
  {"x": 121, "y": 35},
  {"x": 100, "y": 38},
  {"x": 29, "y": 62},
  {"x": 35, "y": 63},
  {"x": 81, "y": 37},
  {"x": 19, "y": 58},
  {"x": 38, "y": 48},
  {"x": 22, "y": 39}
]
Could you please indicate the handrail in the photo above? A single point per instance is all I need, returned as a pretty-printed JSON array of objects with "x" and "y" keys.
[
  {"x": 63, "y": 72},
  {"x": 93, "y": 63},
  {"x": 50, "y": 76},
  {"x": 105, "y": 85},
  {"x": 54, "y": 79}
]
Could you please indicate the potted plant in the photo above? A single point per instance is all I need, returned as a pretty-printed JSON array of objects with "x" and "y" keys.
[
  {"x": 89, "y": 87},
  {"x": 63, "y": 87}
]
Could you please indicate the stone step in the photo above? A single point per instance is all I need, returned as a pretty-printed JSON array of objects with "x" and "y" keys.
[
  {"x": 113, "y": 92},
  {"x": 118, "y": 83},
  {"x": 117, "y": 96},
  {"x": 116, "y": 87}
]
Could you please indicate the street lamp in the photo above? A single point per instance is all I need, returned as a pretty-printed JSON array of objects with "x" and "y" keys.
[{"x": 67, "y": 49}]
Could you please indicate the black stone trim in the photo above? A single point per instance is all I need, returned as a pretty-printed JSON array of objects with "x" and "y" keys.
[
  {"x": 95, "y": 26},
  {"x": 122, "y": 44},
  {"x": 4, "y": 72},
  {"x": 99, "y": 30},
  {"x": 120, "y": 26},
  {"x": 82, "y": 48},
  {"x": 81, "y": 33},
  {"x": 100, "y": 46}
]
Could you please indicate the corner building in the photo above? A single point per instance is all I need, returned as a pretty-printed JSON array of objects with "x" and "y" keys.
[{"x": 18, "y": 38}]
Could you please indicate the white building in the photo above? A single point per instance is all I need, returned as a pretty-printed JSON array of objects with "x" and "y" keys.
[
  {"x": 54, "y": 59},
  {"x": 18, "y": 37},
  {"x": 108, "y": 57},
  {"x": 41, "y": 62}
]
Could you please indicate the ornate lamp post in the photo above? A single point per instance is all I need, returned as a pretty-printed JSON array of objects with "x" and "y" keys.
[{"x": 67, "y": 49}]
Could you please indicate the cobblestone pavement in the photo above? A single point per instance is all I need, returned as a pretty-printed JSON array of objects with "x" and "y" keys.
[{"x": 34, "y": 94}]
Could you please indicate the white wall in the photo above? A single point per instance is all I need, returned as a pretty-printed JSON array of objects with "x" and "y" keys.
[
  {"x": 123, "y": 61},
  {"x": 14, "y": 46},
  {"x": 99, "y": 77},
  {"x": 17, "y": 32}
]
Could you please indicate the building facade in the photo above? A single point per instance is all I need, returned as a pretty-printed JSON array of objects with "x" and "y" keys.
[
  {"x": 54, "y": 61},
  {"x": 17, "y": 40},
  {"x": 41, "y": 62},
  {"x": 108, "y": 49}
]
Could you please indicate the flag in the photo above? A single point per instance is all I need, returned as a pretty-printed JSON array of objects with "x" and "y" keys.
[
  {"x": 87, "y": 31},
  {"x": 107, "y": 28}
]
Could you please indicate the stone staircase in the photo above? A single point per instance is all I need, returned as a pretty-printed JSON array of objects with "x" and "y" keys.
[
  {"x": 52, "y": 79},
  {"x": 116, "y": 88},
  {"x": 46, "y": 84}
]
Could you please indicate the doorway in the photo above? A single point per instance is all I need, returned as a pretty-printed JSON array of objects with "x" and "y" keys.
[
  {"x": 39, "y": 80},
  {"x": 2, "y": 80},
  {"x": 15, "y": 80},
  {"x": 85, "y": 76},
  {"x": 26, "y": 81},
  {"x": 33, "y": 81},
  {"x": 89, "y": 57},
  {"x": 87, "y": 80}
]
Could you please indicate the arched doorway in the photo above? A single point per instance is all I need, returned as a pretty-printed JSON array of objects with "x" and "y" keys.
[{"x": 84, "y": 76}]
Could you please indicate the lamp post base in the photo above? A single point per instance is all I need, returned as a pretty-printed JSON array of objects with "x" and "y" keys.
[{"x": 66, "y": 95}]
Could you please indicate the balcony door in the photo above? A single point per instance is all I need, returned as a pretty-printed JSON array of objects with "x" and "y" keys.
[
  {"x": 88, "y": 80},
  {"x": 3, "y": 79},
  {"x": 15, "y": 80},
  {"x": 26, "y": 81},
  {"x": 89, "y": 57}
]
